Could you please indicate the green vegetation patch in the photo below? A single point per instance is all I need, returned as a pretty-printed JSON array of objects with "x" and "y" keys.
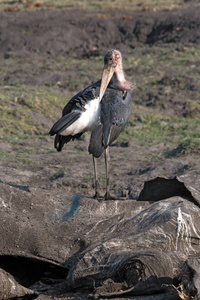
[
  {"x": 25, "y": 110},
  {"x": 151, "y": 128}
]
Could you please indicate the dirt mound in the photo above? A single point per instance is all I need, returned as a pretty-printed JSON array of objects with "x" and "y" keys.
[{"x": 91, "y": 33}]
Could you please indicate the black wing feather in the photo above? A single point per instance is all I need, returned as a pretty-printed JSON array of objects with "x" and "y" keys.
[
  {"x": 64, "y": 122},
  {"x": 70, "y": 114},
  {"x": 60, "y": 140},
  {"x": 80, "y": 99}
]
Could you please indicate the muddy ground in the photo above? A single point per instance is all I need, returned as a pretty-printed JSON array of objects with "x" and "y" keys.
[{"x": 59, "y": 183}]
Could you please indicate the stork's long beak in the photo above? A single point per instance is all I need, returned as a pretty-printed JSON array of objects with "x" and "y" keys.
[{"x": 105, "y": 79}]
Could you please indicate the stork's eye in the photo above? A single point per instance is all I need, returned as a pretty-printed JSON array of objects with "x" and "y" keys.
[{"x": 109, "y": 60}]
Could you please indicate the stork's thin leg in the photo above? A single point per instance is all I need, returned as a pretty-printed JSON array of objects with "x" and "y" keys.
[
  {"x": 95, "y": 177},
  {"x": 108, "y": 196},
  {"x": 107, "y": 159}
]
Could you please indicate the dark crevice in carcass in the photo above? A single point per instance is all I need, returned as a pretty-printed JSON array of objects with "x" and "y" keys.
[
  {"x": 162, "y": 188},
  {"x": 28, "y": 271}
]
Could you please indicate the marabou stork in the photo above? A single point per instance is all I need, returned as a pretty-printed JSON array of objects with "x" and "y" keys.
[{"x": 102, "y": 108}]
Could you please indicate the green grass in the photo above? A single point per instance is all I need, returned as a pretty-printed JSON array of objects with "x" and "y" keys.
[
  {"x": 157, "y": 61},
  {"x": 18, "y": 104},
  {"x": 156, "y": 128},
  {"x": 38, "y": 99}
]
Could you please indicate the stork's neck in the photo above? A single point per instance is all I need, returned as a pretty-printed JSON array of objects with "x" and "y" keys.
[{"x": 119, "y": 79}]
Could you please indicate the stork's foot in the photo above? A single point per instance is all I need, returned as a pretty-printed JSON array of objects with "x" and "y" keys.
[
  {"x": 109, "y": 196},
  {"x": 98, "y": 196}
]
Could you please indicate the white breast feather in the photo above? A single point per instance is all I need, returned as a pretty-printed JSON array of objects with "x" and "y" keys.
[{"x": 87, "y": 120}]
